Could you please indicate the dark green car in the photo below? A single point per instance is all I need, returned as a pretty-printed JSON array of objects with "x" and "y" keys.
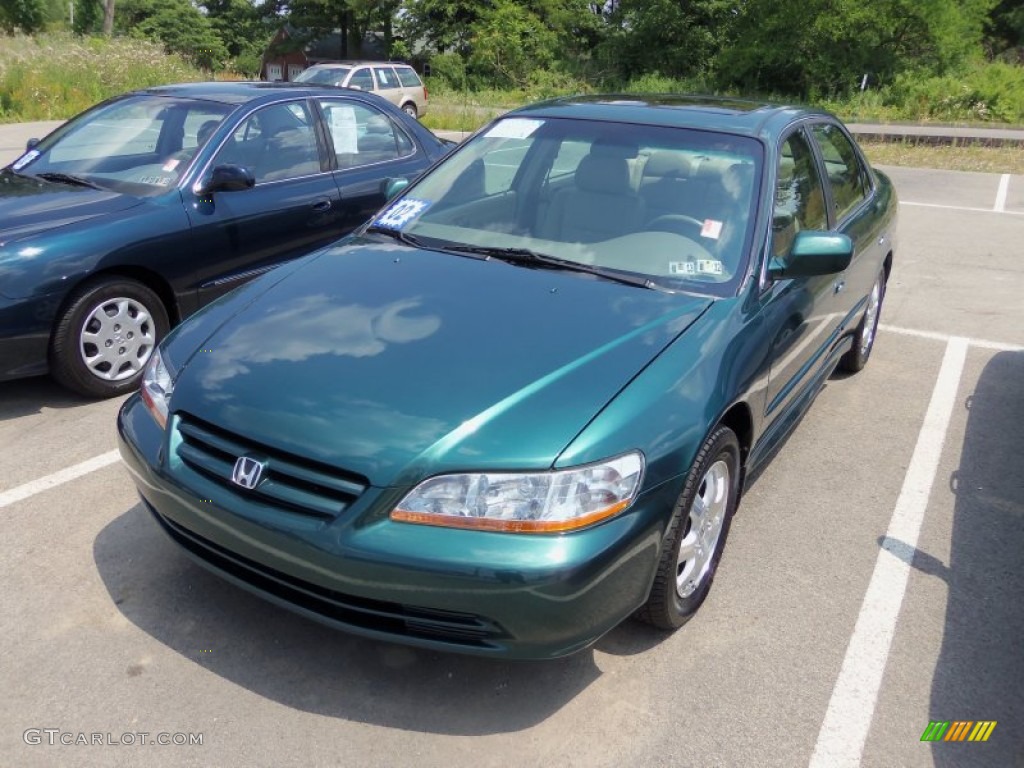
[{"x": 521, "y": 403}]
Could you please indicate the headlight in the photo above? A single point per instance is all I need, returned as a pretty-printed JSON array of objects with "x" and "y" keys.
[
  {"x": 157, "y": 385},
  {"x": 534, "y": 502}
]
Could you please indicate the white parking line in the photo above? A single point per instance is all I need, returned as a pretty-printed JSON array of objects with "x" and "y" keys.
[
  {"x": 962, "y": 208},
  {"x": 33, "y": 487},
  {"x": 1004, "y": 188},
  {"x": 998, "y": 346},
  {"x": 852, "y": 706}
]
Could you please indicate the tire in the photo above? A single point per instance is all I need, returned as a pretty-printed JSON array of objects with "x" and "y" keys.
[
  {"x": 105, "y": 336},
  {"x": 864, "y": 337},
  {"x": 410, "y": 109},
  {"x": 681, "y": 584}
]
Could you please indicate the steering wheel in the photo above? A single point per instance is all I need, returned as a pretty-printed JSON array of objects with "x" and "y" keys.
[{"x": 679, "y": 223}]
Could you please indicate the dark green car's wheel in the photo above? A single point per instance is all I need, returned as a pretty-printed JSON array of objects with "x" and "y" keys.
[
  {"x": 697, "y": 533},
  {"x": 864, "y": 337},
  {"x": 105, "y": 337}
]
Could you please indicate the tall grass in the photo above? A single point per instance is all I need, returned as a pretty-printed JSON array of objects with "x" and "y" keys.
[{"x": 55, "y": 76}]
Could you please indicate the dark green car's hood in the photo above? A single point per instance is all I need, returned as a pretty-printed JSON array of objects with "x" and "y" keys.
[
  {"x": 396, "y": 363},
  {"x": 29, "y": 205}
]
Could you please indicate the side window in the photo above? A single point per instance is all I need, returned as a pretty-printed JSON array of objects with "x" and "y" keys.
[
  {"x": 199, "y": 126},
  {"x": 361, "y": 135},
  {"x": 361, "y": 79},
  {"x": 386, "y": 78},
  {"x": 275, "y": 143},
  {"x": 799, "y": 197},
  {"x": 846, "y": 175},
  {"x": 408, "y": 77}
]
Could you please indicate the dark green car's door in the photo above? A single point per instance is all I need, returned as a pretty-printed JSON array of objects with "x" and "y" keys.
[
  {"x": 369, "y": 148},
  {"x": 802, "y": 310},
  {"x": 292, "y": 209}
]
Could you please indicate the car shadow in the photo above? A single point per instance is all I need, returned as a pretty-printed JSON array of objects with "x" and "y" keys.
[
  {"x": 24, "y": 397},
  {"x": 307, "y": 666},
  {"x": 979, "y": 675}
]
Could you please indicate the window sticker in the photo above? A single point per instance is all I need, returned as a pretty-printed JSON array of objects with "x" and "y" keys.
[
  {"x": 170, "y": 165},
  {"x": 25, "y": 159},
  {"x": 344, "y": 129},
  {"x": 401, "y": 213},
  {"x": 712, "y": 229},
  {"x": 514, "y": 128},
  {"x": 709, "y": 267},
  {"x": 682, "y": 268}
]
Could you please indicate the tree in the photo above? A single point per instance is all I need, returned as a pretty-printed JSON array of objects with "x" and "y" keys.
[
  {"x": 27, "y": 16},
  {"x": 178, "y": 25},
  {"x": 509, "y": 42}
]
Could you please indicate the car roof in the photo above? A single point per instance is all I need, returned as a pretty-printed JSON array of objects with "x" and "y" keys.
[
  {"x": 719, "y": 114},
  {"x": 340, "y": 63},
  {"x": 242, "y": 91}
]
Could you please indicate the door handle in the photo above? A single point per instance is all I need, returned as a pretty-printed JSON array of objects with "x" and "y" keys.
[{"x": 322, "y": 205}]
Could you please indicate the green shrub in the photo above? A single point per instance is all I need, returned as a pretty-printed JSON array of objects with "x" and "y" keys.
[{"x": 55, "y": 76}]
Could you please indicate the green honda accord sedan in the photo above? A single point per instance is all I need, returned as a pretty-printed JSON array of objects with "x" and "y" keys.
[{"x": 521, "y": 403}]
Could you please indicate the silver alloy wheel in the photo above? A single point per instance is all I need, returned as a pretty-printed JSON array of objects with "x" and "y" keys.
[
  {"x": 703, "y": 529},
  {"x": 871, "y": 318},
  {"x": 117, "y": 339}
]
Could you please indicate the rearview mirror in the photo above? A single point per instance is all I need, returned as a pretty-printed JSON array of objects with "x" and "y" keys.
[
  {"x": 391, "y": 187},
  {"x": 813, "y": 254},
  {"x": 225, "y": 178}
]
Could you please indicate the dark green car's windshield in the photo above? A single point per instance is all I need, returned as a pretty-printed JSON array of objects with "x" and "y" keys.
[
  {"x": 670, "y": 204},
  {"x": 138, "y": 145}
]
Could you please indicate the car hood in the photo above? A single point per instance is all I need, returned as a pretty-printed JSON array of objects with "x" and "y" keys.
[
  {"x": 396, "y": 363},
  {"x": 29, "y": 205}
]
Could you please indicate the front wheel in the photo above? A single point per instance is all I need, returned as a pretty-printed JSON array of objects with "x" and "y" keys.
[
  {"x": 105, "y": 337},
  {"x": 697, "y": 533},
  {"x": 864, "y": 336}
]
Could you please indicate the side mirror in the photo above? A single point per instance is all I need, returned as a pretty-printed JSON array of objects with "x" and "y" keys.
[
  {"x": 813, "y": 253},
  {"x": 391, "y": 187},
  {"x": 225, "y": 178},
  {"x": 31, "y": 144}
]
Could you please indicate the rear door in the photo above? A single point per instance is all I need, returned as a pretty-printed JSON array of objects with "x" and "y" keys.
[
  {"x": 369, "y": 148},
  {"x": 850, "y": 193},
  {"x": 293, "y": 208}
]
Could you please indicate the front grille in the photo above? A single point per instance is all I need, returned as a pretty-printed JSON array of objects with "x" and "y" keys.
[
  {"x": 287, "y": 481},
  {"x": 464, "y": 629}
]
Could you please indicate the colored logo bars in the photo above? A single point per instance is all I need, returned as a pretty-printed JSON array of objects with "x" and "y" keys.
[{"x": 959, "y": 730}]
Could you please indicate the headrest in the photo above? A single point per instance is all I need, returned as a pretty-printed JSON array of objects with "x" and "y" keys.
[
  {"x": 665, "y": 163},
  {"x": 625, "y": 150},
  {"x": 206, "y": 130},
  {"x": 607, "y": 175}
]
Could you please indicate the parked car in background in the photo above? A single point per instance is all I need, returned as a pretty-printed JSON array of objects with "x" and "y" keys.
[
  {"x": 136, "y": 213},
  {"x": 522, "y": 403},
  {"x": 396, "y": 82}
]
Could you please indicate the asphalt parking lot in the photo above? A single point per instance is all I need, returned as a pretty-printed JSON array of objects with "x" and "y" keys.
[{"x": 871, "y": 583}]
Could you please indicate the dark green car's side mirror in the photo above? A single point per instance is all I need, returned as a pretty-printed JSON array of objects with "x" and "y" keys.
[
  {"x": 225, "y": 178},
  {"x": 813, "y": 254},
  {"x": 391, "y": 187}
]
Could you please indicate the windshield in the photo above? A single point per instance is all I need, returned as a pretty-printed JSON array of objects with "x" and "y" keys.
[
  {"x": 138, "y": 145},
  {"x": 327, "y": 76},
  {"x": 673, "y": 205}
]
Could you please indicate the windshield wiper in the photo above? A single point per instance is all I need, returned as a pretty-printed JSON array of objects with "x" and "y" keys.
[
  {"x": 397, "y": 234},
  {"x": 67, "y": 178},
  {"x": 544, "y": 261}
]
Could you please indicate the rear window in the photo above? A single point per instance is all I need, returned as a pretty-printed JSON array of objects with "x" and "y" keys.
[
  {"x": 328, "y": 76},
  {"x": 386, "y": 78},
  {"x": 408, "y": 77}
]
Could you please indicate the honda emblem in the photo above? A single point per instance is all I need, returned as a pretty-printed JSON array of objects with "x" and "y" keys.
[{"x": 247, "y": 472}]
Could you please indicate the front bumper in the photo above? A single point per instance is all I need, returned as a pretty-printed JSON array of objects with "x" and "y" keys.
[
  {"x": 494, "y": 594},
  {"x": 25, "y": 335}
]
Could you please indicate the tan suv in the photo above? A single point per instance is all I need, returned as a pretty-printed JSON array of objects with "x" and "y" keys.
[{"x": 398, "y": 83}]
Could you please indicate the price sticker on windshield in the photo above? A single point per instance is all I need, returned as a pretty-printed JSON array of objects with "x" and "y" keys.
[
  {"x": 25, "y": 159},
  {"x": 712, "y": 229},
  {"x": 514, "y": 128},
  {"x": 401, "y": 213}
]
